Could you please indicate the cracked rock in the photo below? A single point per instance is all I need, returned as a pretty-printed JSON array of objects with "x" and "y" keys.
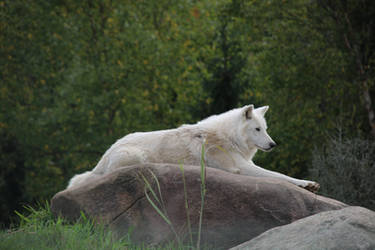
[
  {"x": 345, "y": 229},
  {"x": 237, "y": 208}
]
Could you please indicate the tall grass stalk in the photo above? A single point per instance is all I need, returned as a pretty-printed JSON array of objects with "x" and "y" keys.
[
  {"x": 203, "y": 194},
  {"x": 186, "y": 204}
]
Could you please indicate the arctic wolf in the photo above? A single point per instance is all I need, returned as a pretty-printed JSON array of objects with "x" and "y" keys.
[{"x": 231, "y": 140}]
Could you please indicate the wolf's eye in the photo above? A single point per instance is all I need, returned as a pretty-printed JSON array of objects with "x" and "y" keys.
[{"x": 257, "y": 129}]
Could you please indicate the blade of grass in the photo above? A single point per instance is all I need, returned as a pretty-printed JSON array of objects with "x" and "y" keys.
[
  {"x": 22, "y": 217},
  {"x": 148, "y": 185},
  {"x": 203, "y": 193},
  {"x": 159, "y": 190},
  {"x": 186, "y": 205},
  {"x": 165, "y": 218},
  {"x": 158, "y": 186}
]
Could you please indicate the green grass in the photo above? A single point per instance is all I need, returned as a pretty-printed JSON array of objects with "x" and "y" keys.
[{"x": 39, "y": 230}]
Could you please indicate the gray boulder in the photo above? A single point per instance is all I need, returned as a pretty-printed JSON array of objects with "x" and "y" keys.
[
  {"x": 236, "y": 208},
  {"x": 346, "y": 229}
]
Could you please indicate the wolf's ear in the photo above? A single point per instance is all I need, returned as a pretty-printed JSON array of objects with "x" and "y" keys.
[
  {"x": 248, "y": 111},
  {"x": 262, "y": 110}
]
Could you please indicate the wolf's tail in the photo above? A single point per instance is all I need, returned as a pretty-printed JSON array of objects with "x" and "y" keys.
[{"x": 80, "y": 179}]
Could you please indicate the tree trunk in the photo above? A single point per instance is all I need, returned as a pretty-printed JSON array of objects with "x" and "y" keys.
[{"x": 368, "y": 106}]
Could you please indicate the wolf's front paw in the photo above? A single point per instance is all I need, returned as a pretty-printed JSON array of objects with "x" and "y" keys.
[{"x": 311, "y": 186}]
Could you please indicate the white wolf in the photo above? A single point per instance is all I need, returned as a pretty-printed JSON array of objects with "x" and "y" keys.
[{"x": 231, "y": 140}]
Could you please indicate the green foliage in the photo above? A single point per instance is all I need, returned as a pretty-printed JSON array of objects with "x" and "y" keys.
[
  {"x": 77, "y": 75},
  {"x": 39, "y": 230},
  {"x": 294, "y": 68}
]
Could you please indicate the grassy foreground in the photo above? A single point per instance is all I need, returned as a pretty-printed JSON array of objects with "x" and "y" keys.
[{"x": 40, "y": 230}]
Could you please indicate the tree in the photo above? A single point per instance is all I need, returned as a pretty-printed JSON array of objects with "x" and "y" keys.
[
  {"x": 76, "y": 76},
  {"x": 353, "y": 27},
  {"x": 224, "y": 83}
]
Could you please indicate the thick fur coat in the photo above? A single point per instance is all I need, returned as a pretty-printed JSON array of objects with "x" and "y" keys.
[{"x": 231, "y": 140}]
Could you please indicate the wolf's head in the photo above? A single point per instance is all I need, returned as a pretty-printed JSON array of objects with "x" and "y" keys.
[{"x": 254, "y": 129}]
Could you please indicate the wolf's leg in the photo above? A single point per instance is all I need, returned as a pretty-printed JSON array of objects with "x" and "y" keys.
[
  {"x": 119, "y": 157},
  {"x": 81, "y": 179},
  {"x": 253, "y": 170}
]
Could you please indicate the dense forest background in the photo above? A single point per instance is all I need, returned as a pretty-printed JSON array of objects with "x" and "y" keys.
[{"x": 77, "y": 75}]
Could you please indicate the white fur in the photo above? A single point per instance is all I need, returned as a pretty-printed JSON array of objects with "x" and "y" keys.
[{"x": 231, "y": 140}]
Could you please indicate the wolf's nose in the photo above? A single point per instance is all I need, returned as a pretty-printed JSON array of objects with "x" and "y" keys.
[{"x": 272, "y": 144}]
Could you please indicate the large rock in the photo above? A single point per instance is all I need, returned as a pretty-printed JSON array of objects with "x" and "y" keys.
[
  {"x": 346, "y": 229},
  {"x": 236, "y": 208}
]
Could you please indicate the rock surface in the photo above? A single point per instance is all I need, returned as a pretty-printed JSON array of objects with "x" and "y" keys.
[
  {"x": 346, "y": 229},
  {"x": 236, "y": 208}
]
